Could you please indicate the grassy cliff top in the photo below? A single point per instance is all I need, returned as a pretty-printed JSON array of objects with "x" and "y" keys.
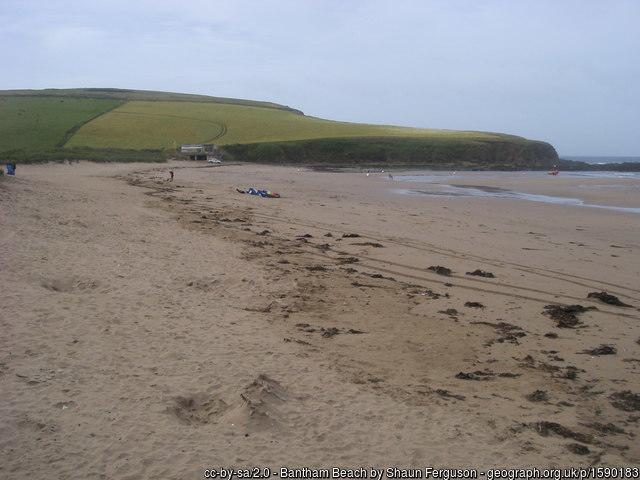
[
  {"x": 150, "y": 95},
  {"x": 57, "y": 123}
]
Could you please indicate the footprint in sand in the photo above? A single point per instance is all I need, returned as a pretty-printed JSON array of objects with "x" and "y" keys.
[
  {"x": 197, "y": 409},
  {"x": 258, "y": 406},
  {"x": 70, "y": 284}
]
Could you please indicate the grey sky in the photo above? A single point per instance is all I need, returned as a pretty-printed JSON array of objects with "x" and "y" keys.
[{"x": 567, "y": 72}]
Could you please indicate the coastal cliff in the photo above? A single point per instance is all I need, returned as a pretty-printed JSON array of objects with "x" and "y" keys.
[
  {"x": 131, "y": 125},
  {"x": 516, "y": 154}
]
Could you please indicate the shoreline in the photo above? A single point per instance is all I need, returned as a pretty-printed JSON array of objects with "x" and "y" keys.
[{"x": 564, "y": 165}]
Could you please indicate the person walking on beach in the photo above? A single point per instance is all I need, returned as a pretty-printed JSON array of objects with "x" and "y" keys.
[{"x": 171, "y": 173}]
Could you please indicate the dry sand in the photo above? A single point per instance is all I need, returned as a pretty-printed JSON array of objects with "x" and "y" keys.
[{"x": 154, "y": 329}]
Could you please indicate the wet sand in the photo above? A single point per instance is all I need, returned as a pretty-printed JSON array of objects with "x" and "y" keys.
[
  {"x": 154, "y": 329},
  {"x": 605, "y": 190}
]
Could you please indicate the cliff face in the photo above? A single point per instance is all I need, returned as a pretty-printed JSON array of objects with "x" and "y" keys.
[
  {"x": 528, "y": 154},
  {"x": 516, "y": 154}
]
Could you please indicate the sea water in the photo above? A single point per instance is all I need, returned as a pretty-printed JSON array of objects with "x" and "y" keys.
[{"x": 454, "y": 188}]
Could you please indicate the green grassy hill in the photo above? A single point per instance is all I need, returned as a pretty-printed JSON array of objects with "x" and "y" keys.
[
  {"x": 43, "y": 123},
  {"x": 111, "y": 124}
]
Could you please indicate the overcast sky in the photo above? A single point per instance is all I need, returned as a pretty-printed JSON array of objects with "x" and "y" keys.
[{"x": 567, "y": 72}]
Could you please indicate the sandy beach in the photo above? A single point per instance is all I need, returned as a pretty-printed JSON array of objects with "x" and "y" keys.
[{"x": 154, "y": 329}]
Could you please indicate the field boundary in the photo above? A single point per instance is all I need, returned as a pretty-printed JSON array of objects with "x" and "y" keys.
[
  {"x": 72, "y": 131},
  {"x": 146, "y": 95},
  {"x": 222, "y": 127}
]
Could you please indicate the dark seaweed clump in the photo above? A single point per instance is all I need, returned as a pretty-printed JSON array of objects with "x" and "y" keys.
[
  {"x": 604, "y": 297},
  {"x": 547, "y": 428},
  {"x": 538, "y": 396},
  {"x": 473, "y": 305},
  {"x": 626, "y": 400},
  {"x": 601, "y": 350},
  {"x": 440, "y": 270},
  {"x": 481, "y": 273},
  {"x": 566, "y": 316}
]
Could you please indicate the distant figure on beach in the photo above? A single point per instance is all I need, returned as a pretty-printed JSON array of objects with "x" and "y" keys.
[
  {"x": 171, "y": 173},
  {"x": 390, "y": 177}
]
